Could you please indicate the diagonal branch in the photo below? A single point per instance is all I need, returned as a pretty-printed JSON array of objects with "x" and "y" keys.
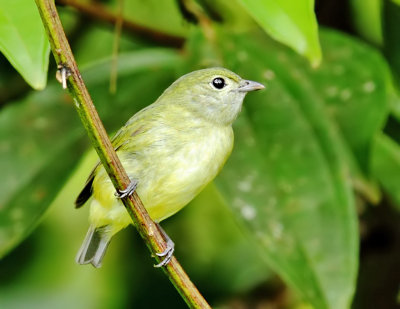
[
  {"x": 98, "y": 12},
  {"x": 90, "y": 119}
]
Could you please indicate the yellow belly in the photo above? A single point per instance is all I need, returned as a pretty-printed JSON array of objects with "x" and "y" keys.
[{"x": 171, "y": 179}]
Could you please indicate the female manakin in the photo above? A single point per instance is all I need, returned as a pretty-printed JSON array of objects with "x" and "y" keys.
[{"x": 170, "y": 150}]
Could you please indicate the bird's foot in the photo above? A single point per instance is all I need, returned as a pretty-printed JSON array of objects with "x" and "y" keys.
[
  {"x": 128, "y": 191},
  {"x": 168, "y": 252}
]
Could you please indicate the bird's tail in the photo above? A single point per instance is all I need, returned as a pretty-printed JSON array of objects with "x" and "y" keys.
[{"x": 94, "y": 246}]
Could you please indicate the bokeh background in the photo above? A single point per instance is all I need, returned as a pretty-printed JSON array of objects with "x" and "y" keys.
[{"x": 304, "y": 215}]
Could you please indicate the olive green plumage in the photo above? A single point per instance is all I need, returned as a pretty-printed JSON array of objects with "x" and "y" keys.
[{"x": 172, "y": 148}]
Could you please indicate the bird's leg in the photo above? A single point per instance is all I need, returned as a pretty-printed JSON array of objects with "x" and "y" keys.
[
  {"x": 128, "y": 191},
  {"x": 168, "y": 252}
]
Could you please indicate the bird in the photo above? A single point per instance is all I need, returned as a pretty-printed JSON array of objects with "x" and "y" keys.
[{"x": 170, "y": 150}]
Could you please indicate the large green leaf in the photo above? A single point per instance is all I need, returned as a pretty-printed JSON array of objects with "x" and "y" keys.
[
  {"x": 290, "y": 22},
  {"x": 23, "y": 40},
  {"x": 299, "y": 174},
  {"x": 288, "y": 180},
  {"x": 42, "y": 138},
  {"x": 289, "y": 173},
  {"x": 297, "y": 147}
]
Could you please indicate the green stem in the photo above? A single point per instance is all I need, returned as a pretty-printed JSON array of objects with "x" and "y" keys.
[
  {"x": 114, "y": 57},
  {"x": 97, "y": 134}
]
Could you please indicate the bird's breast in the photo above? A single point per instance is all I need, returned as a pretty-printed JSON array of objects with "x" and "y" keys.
[
  {"x": 200, "y": 159},
  {"x": 181, "y": 170}
]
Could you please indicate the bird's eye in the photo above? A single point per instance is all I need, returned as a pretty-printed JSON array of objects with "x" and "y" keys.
[{"x": 218, "y": 83}]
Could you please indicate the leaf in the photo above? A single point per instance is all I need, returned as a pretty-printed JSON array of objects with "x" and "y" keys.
[
  {"x": 290, "y": 22},
  {"x": 42, "y": 138},
  {"x": 23, "y": 40},
  {"x": 288, "y": 176},
  {"x": 30, "y": 161},
  {"x": 355, "y": 83},
  {"x": 366, "y": 17},
  {"x": 298, "y": 153},
  {"x": 386, "y": 166}
]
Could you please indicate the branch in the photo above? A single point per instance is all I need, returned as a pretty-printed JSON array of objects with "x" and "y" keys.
[
  {"x": 90, "y": 119},
  {"x": 98, "y": 12}
]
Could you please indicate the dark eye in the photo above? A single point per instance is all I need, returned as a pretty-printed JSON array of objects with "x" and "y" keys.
[{"x": 218, "y": 83}]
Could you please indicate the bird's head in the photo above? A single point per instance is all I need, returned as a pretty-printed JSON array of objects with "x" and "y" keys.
[{"x": 215, "y": 94}]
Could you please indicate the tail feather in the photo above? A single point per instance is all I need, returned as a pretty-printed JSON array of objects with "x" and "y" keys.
[{"x": 94, "y": 246}]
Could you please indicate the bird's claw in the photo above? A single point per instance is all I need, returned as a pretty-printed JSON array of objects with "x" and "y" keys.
[
  {"x": 128, "y": 191},
  {"x": 168, "y": 252}
]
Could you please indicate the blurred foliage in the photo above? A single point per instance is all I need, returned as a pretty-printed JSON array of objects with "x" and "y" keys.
[
  {"x": 391, "y": 36},
  {"x": 386, "y": 165},
  {"x": 367, "y": 19},
  {"x": 313, "y": 152},
  {"x": 290, "y": 22},
  {"x": 45, "y": 139},
  {"x": 161, "y": 15},
  {"x": 23, "y": 40}
]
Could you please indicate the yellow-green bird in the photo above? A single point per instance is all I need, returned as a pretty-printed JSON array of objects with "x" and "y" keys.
[{"x": 171, "y": 150}]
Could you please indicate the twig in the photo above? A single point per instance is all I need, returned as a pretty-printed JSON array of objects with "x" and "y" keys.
[
  {"x": 114, "y": 58},
  {"x": 88, "y": 114},
  {"x": 98, "y": 12}
]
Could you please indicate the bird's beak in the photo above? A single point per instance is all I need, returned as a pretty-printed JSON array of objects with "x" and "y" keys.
[{"x": 249, "y": 85}]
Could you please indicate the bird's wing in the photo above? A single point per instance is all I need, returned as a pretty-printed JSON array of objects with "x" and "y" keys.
[
  {"x": 125, "y": 135},
  {"x": 86, "y": 192}
]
